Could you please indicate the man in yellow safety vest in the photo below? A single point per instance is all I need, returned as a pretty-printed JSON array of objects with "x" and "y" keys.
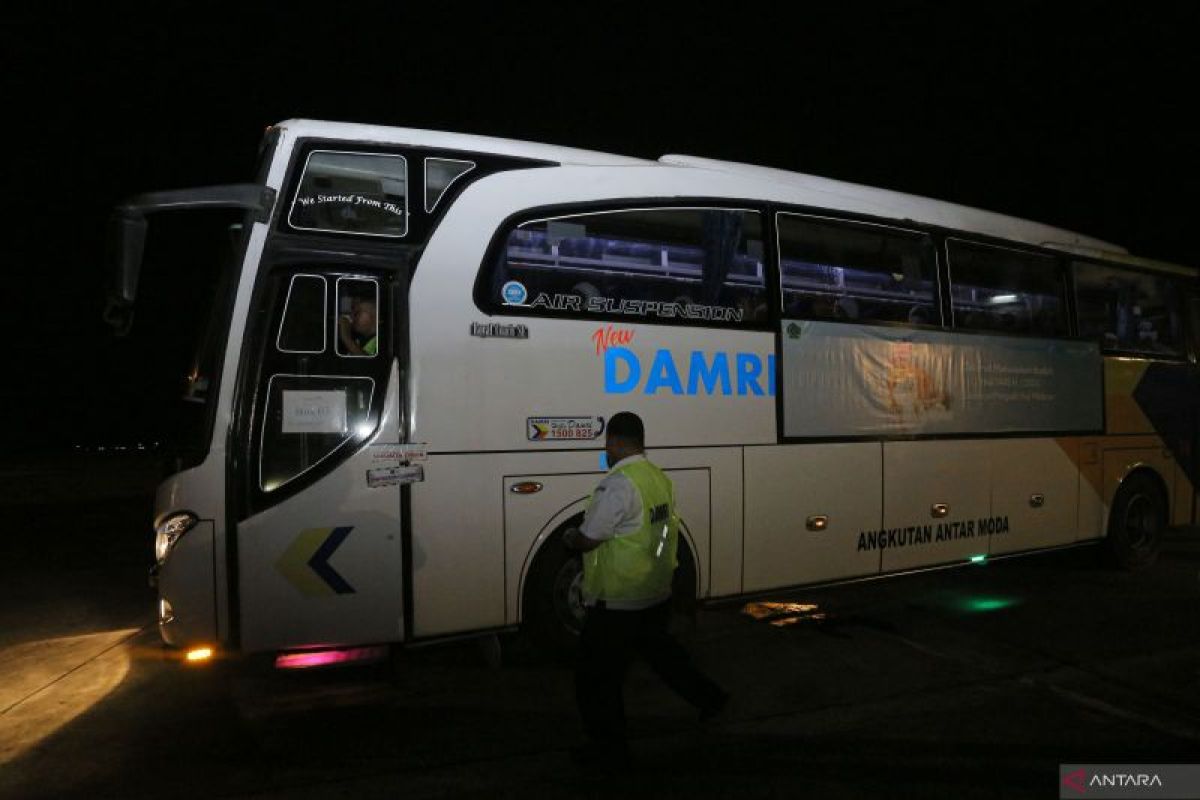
[{"x": 628, "y": 539}]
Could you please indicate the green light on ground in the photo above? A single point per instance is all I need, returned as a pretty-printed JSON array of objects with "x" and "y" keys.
[
  {"x": 978, "y": 559},
  {"x": 987, "y": 603}
]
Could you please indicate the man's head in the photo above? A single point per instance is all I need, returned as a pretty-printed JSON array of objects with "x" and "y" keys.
[
  {"x": 362, "y": 317},
  {"x": 624, "y": 436}
]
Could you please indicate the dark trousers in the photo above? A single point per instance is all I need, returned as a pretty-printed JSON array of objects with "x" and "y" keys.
[{"x": 608, "y": 643}]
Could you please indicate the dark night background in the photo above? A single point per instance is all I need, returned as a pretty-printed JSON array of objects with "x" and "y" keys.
[{"x": 1080, "y": 117}]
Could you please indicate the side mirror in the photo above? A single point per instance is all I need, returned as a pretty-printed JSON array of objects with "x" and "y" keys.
[
  {"x": 127, "y": 235},
  {"x": 129, "y": 243},
  {"x": 118, "y": 314}
]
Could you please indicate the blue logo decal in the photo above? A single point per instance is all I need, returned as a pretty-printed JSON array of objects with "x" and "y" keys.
[
  {"x": 514, "y": 293},
  {"x": 708, "y": 374}
]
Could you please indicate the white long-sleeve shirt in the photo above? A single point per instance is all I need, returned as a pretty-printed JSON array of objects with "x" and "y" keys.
[{"x": 616, "y": 509}]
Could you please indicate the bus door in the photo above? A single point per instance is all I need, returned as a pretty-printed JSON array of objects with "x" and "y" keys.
[{"x": 319, "y": 556}]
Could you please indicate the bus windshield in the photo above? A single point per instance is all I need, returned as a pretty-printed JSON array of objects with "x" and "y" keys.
[
  {"x": 180, "y": 272},
  {"x": 166, "y": 372}
]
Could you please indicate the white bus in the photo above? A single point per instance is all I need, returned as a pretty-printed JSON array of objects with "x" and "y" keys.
[{"x": 843, "y": 382}]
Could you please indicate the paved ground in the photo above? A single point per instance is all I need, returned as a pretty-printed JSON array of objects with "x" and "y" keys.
[{"x": 975, "y": 682}]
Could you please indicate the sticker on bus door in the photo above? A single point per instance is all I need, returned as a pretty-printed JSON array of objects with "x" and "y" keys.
[
  {"x": 395, "y": 476},
  {"x": 392, "y": 464}
]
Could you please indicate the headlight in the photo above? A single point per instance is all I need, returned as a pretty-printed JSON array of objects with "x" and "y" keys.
[{"x": 169, "y": 531}]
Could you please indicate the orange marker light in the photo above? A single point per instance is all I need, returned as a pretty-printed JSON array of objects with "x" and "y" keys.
[{"x": 199, "y": 654}]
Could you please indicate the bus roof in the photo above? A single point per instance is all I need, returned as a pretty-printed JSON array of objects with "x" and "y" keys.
[
  {"x": 458, "y": 141},
  {"x": 899, "y": 205},
  {"x": 794, "y": 187}
]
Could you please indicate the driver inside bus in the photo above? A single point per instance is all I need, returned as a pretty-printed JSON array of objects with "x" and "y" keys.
[{"x": 358, "y": 329}]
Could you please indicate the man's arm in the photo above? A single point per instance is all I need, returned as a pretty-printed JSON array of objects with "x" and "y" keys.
[
  {"x": 576, "y": 539},
  {"x": 346, "y": 334},
  {"x": 609, "y": 510}
]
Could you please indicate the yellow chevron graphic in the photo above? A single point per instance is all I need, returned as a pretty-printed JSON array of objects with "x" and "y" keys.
[
  {"x": 1121, "y": 378},
  {"x": 1085, "y": 454},
  {"x": 294, "y": 562}
]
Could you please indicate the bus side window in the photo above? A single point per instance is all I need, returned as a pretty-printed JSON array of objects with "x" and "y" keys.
[
  {"x": 1128, "y": 311},
  {"x": 357, "y": 318},
  {"x": 1011, "y": 291},
  {"x": 302, "y": 329},
  {"x": 652, "y": 265},
  {"x": 849, "y": 272},
  {"x": 440, "y": 173}
]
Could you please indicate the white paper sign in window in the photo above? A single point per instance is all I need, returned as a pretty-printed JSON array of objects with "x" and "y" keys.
[{"x": 314, "y": 412}]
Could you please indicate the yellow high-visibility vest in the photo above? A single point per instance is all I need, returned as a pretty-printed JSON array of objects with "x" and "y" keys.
[{"x": 638, "y": 566}]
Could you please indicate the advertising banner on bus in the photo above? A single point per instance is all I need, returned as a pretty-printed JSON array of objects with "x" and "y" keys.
[{"x": 856, "y": 380}]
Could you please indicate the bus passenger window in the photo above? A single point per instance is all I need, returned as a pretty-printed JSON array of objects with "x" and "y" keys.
[
  {"x": 358, "y": 317},
  {"x": 849, "y": 272},
  {"x": 302, "y": 329},
  {"x": 1132, "y": 312},
  {"x": 1011, "y": 291},
  {"x": 659, "y": 265}
]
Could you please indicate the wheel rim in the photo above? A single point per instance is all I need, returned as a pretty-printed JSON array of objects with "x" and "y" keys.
[
  {"x": 1141, "y": 521},
  {"x": 568, "y": 595}
]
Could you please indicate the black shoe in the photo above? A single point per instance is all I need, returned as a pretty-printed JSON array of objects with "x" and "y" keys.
[{"x": 715, "y": 708}]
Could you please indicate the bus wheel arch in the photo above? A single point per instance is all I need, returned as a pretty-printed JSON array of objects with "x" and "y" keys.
[
  {"x": 551, "y": 596},
  {"x": 1137, "y": 519}
]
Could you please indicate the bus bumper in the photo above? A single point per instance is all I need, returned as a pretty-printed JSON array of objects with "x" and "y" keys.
[{"x": 186, "y": 582}]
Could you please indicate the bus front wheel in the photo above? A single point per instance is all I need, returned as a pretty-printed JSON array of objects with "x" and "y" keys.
[
  {"x": 553, "y": 599},
  {"x": 1137, "y": 522},
  {"x": 553, "y": 595}
]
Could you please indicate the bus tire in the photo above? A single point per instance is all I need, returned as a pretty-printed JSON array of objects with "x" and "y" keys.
[
  {"x": 553, "y": 599},
  {"x": 1137, "y": 522}
]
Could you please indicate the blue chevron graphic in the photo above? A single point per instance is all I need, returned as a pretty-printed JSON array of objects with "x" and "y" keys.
[{"x": 320, "y": 561}]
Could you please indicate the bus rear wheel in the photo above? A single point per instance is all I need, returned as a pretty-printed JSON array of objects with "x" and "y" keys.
[{"x": 1136, "y": 523}]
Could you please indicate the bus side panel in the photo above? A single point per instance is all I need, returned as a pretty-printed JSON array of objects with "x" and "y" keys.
[
  {"x": 1157, "y": 399},
  {"x": 1035, "y": 488},
  {"x": 458, "y": 544},
  {"x": 1091, "y": 490},
  {"x": 719, "y": 545},
  {"x": 937, "y": 502},
  {"x": 788, "y": 489},
  {"x": 1181, "y": 513}
]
